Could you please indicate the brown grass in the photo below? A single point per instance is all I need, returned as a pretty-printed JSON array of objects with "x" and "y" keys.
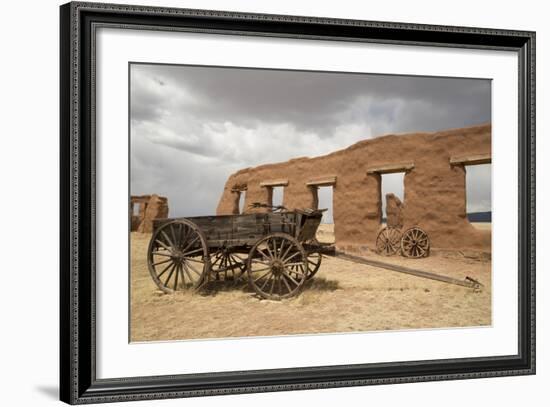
[{"x": 343, "y": 297}]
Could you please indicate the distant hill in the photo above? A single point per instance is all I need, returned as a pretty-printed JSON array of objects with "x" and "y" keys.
[{"x": 479, "y": 217}]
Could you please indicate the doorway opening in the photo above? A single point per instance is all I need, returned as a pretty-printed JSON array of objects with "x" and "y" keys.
[
  {"x": 325, "y": 201},
  {"x": 323, "y": 198},
  {"x": 478, "y": 194},
  {"x": 242, "y": 200},
  {"x": 277, "y": 196},
  {"x": 135, "y": 208},
  {"x": 393, "y": 183}
]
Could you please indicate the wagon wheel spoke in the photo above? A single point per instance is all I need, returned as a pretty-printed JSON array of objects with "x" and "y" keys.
[
  {"x": 173, "y": 234},
  {"x": 170, "y": 274},
  {"x": 163, "y": 245},
  {"x": 168, "y": 240},
  {"x": 269, "y": 251},
  {"x": 165, "y": 269},
  {"x": 263, "y": 275},
  {"x": 190, "y": 244},
  {"x": 181, "y": 234},
  {"x": 283, "y": 277},
  {"x": 260, "y": 262},
  {"x": 272, "y": 285},
  {"x": 241, "y": 260},
  {"x": 193, "y": 269},
  {"x": 291, "y": 278},
  {"x": 286, "y": 251},
  {"x": 218, "y": 258},
  {"x": 286, "y": 259},
  {"x": 162, "y": 262},
  {"x": 178, "y": 267},
  {"x": 240, "y": 266},
  {"x": 163, "y": 253},
  {"x": 265, "y": 256},
  {"x": 266, "y": 281},
  {"x": 188, "y": 273},
  {"x": 190, "y": 252}
]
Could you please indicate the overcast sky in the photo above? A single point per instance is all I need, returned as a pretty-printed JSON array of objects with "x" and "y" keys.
[{"x": 191, "y": 127}]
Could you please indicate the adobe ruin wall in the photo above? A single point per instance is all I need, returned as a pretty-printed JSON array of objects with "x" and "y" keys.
[
  {"x": 434, "y": 186},
  {"x": 149, "y": 208}
]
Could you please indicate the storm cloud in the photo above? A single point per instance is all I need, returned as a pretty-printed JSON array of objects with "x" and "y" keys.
[{"x": 192, "y": 126}]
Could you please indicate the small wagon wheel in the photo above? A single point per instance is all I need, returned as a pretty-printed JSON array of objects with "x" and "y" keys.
[
  {"x": 271, "y": 263},
  {"x": 387, "y": 241},
  {"x": 228, "y": 263},
  {"x": 178, "y": 256},
  {"x": 415, "y": 243}
]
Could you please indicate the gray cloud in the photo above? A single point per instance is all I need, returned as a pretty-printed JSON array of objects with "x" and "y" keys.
[{"x": 192, "y": 126}]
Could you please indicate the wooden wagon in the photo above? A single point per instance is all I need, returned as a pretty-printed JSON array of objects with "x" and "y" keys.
[{"x": 276, "y": 251}]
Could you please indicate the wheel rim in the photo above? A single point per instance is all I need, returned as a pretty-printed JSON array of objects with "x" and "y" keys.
[
  {"x": 387, "y": 241},
  {"x": 178, "y": 256},
  {"x": 313, "y": 263},
  {"x": 277, "y": 266},
  {"x": 227, "y": 264},
  {"x": 415, "y": 243}
]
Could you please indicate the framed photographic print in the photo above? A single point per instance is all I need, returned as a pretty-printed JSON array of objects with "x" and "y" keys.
[{"x": 255, "y": 203}]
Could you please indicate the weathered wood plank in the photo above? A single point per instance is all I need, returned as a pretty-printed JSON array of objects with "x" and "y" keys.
[
  {"x": 324, "y": 181},
  {"x": 475, "y": 159},
  {"x": 391, "y": 168},
  {"x": 275, "y": 183},
  {"x": 467, "y": 282}
]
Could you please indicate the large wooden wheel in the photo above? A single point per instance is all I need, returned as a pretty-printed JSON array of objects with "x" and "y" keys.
[
  {"x": 228, "y": 264},
  {"x": 178, "y": 256},
  {"x": 277, "y": 266},
  {"x": 387, "y": 241},
  {"x": 415, "y": 243}
]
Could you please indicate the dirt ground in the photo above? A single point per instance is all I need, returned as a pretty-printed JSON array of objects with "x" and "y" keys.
[{"x": 342, "y": 297}]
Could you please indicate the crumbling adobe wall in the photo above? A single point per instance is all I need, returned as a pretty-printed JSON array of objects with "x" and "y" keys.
[
  {"x": 151, "y": 207},
  {"x": 434, "y": 190}
]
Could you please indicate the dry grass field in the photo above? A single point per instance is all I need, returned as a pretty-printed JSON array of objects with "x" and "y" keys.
[{"x": 342, "y": 297}]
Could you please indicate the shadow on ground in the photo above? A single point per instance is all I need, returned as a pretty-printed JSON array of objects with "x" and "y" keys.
[
  {"x": 212, "y": 288},
  {"x": 321, "y": 284}
]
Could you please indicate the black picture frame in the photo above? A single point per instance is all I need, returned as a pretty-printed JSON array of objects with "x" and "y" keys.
[{"x": 78, "y": 382}]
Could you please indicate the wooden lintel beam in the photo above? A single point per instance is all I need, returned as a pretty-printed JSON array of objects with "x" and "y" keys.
[
  {"x": 322, "y": 182},
  {"x": 239, "y": 189},
  {"x": 474, "y": 159},
  {"x": 275, "y": 183},
  {"x": 391, "y": 168}
]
